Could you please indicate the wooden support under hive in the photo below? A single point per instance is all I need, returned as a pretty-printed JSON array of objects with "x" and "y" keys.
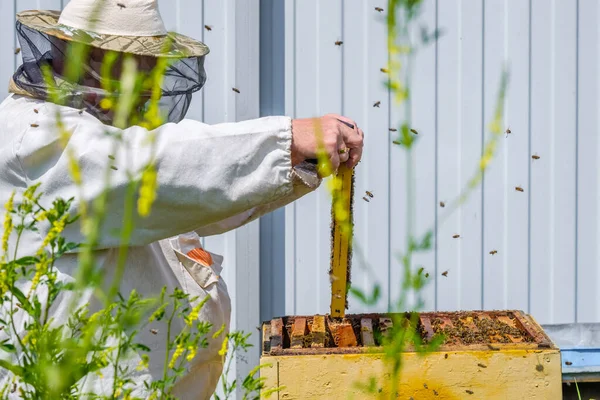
[{"x": 499, "y": 354}]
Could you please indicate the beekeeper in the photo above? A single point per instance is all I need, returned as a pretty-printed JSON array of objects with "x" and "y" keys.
[{"x": 211, "y": 178}]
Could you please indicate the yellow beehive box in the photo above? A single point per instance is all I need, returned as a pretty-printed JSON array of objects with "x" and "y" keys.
[{"x": 313, "y": 358}]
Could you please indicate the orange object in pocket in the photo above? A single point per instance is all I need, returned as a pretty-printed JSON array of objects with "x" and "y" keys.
[{"x": 201, "y": 256}]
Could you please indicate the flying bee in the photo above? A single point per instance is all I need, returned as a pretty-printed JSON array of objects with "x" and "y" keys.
[
  {"x": 17, "y": 50},
  {"x": 397, "y": 142},
  {"x": 442, "y": 204},
  {"x": 377, "y": 104},
  {"x": 535, "y": 157},
  {"x": 445, "y": 273},
  {"x": 366, "y": 199},
  {"x": 426, "y": 274},
  {"x": 420, "y": 271},
  {"x": 568, "y": 363},
  {"x": 154, "y": 331},
  {"x": 414, "y": 131},
  {"x": 480, "y": 365},
  {"x": 493, "y": 252},
  {"x": 384, "y": 70},
  {"x": 379, "y": 9},
  {"x": 339, "y": 43},
  {"x": 121, "y": 5},
  {"x": 369, "y": 194},
  {"x": 469, "y": 391},
  {"x": 114, "y": 168},
  {"x": 519, "y": 189},
  {"x": 425, "y": 386},
  {"x": 111, "y": 157},
  {"x": 393, "y": 129},
  {"x": 236, "y": 90},
  {"x": 35, "y": 110},
  {"x": 455, "y": 236},
  {"x": 508, "y": 132},
  {"x": 208, "y": 27},
  {"x": 34, "y": 125},
  {"x": 80, "y": 112}
]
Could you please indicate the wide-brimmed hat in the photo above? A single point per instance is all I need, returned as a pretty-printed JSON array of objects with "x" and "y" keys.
[{"x": 128, "y": 26}]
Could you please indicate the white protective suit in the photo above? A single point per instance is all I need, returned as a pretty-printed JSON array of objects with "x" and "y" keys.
[{"x": 211, "y": 179}]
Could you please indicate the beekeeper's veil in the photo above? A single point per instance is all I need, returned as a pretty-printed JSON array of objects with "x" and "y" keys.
[{"x": 125, "y": 26}]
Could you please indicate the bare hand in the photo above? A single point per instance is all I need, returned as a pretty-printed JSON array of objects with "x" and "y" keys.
[{"x": 341, "y": 143}]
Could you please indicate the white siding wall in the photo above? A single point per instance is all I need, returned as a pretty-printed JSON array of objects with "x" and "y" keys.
[{"x": 546, "y": 237}]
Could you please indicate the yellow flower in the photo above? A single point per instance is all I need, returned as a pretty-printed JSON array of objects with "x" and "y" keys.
[
  {"x": 8, "y": 225},
  {"x": 219, "y": 332},
  {"x": 147, "y": 191},
  {"x": 143, "y": 362},
  {"x": 224, "y": 346},
  {"x": 193, "y": 316},
  {"x": 178, "y": 352},
  {"x": 192, "y": 352}
]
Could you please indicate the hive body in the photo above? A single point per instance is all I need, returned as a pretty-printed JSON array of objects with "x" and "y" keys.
[{"x": 529, "y": 367}]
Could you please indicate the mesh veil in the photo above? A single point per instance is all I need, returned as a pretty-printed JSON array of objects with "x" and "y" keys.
[{"x": 182, "y": 78}]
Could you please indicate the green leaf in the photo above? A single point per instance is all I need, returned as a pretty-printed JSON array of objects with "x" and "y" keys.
[
  {"x": 141, "y": 347},
  {"x": 8, "y": 347},
  {"x": 15, "y": 369},
  {"x": 22, "y": 299},
  {"x": 25, "y": 261}
]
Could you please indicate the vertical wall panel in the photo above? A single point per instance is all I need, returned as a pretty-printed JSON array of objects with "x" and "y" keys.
[
  {"x": 516, "y": 161},
  {"x": 7, "y": 44},
  {"x": 540, "y": 193},
  {"x": 588, "y": 274},
  {"x": 449, "y": 155},
  {"x": 355, "y": 104},
  {"x": 505, "y": 208},
  {"x": 423, "y": 116},
  {"x": 375, "y": 169}
]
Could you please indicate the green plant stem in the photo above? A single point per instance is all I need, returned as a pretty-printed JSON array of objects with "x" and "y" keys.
[
  {"x": 168, "y": 340},
  {"x": 116, "y": 369},
  {"x": 126, "y": 233}
]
